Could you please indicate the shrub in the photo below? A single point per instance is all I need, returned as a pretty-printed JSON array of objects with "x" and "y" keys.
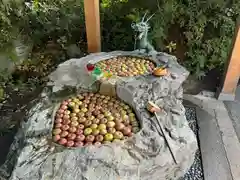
[{"x": 203, "y": 29}]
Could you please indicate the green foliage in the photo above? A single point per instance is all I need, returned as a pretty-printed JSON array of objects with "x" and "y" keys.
[
  {"x": 204, "y": 28},
  {"x": 42, "y": 20}
]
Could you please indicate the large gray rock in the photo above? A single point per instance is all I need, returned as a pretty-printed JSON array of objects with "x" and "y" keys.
[{"x": 144, "y": 156}]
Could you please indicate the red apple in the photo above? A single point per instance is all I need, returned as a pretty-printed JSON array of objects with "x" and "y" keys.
[
  {"x": 59, "y": 115},
  {"x": 80, "y": 137},
  {"x": 74, "y": 123},
  {"x": 65, "y": 127},
  {"x": 78, "y": 144},
  {"x": 62, "y": 141},
  {"x": 64, "y": 103},
  {"x": 80, "y": 126},
  {"x": 126, "y": 131},
  {"x": 60, "y": 111},
  {"x": 89, "y": 138},
  {"x": 88, "y": 123},
  {"x": 82, "y": 120},
  {"x": 72, "y": 129},
  {"x": 66, "y": 117},
  {"x": 56, "y": 138},
  {"x": 79, "y": 131},
  {"x": 58, "y": 120},
  {"x": 64, "y": 134},
  {"x": 103, "y": 121},
  {"x": 119, "y": 126},
  {"x": 66, "y": 121},
  {"x": 95, "y": 121},
  {"x": 111, "y": 130},
  {"x": 110, "y": 124},
  {"x": 71, "y": 136},
  {"x": 58, "y": 125},
  {"x": 57, "y": 131},
  {"x": 70, "y": 143},
  {"x": 99, "y": 138}
]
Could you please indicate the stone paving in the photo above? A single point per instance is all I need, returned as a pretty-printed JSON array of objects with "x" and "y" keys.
[{"x": 218, "y": 134}]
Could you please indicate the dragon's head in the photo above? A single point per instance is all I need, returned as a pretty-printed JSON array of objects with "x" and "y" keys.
[{"x": 142, "y": 26}]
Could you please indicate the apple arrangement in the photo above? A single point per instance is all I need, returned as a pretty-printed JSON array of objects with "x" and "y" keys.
[
  {"x": 126, "y": 66},
  {"x": 93, "y": 119}
]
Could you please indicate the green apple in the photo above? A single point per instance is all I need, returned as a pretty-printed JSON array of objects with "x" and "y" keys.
[
  {"x": 102, "y": 126},
  {"x": 95, "y": 132},
  {"x": 84, "y": 109},
  {"x": 108, "y": 137},
  {"x": 110, "y": 118},
  {"x": 110, "y": 124},
  {"x": 103, "y": 131},
  {"x": 94, "y": 126},
  {"x": 71, "y": 104},
  {"x": 87, "y": 131},
  {"x": 118, "y": 135}
]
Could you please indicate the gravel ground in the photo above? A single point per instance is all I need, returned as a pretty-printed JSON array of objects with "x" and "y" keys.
[{"x": 196, "y": 171}]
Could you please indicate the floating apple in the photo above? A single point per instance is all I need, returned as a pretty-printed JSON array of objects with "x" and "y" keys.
[
  {"x": 102, "y": 126},
  {"x": 80, "y": 137},
  {"x": 79, "y": 131},
  {"x": 70, "y": 143},
  {"x": 74, "y": 118},
  {"x": 118, "y": 135},
  {"x": 119, "y": 126},
  {"x": 58, "y": 125},
  {"x": 87, "y": 131},
  {"x": 56, "y": 138},
  {"x": 71, "y": 136},
  {"x": 74, "y": 123},
  {"x": 108, "y": 137},
  {"x": 110, "y": 124},
  {"x": 87, "y": 123},
  {"x": 126, "y": 131},
  {"x": 64, "y": 134},
  {"x": 82, "y": 120},
  {"x": 95, "y": 132},
  {"x": 95, "y": 121},
  {"x": 89, "y": 138},
  {"x": 66, "y": 117},
  {"x": 99, "y": 138},
  {"x": 103, "y": 131},
  {"x": 62, "y": 141},
  {"x": 72, "y": 129},
  {"x": 111, "y": 130},
  {"x": 94, "y": 126},
  {"x": 78, "y": 144},
  {"x": 80, "y": 126},
  {"x": 103, "y": 121},
  {"x": 65, "y": 127}
]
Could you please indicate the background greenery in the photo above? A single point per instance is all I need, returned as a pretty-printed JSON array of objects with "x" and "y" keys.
[{"x": 198, "y": 32}]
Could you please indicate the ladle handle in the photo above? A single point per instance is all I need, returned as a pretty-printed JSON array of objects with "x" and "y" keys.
[{"x": 165, "y": 139}]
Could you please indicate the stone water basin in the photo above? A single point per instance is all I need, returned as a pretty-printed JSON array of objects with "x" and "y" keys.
[{"x": 143, "y": 156}]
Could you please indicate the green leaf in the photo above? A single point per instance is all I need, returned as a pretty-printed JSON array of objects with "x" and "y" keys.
[{"x": 202, "y": 60}]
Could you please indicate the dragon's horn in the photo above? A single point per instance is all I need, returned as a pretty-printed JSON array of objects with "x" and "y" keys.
[
  {"x": 144, "y": 16},
  {"x": 150, "y": 17}
]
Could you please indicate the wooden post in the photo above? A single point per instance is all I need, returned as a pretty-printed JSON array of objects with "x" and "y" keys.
[
  {"x": 92, "y": 21},
  {"x": 232, "y": 74}
]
